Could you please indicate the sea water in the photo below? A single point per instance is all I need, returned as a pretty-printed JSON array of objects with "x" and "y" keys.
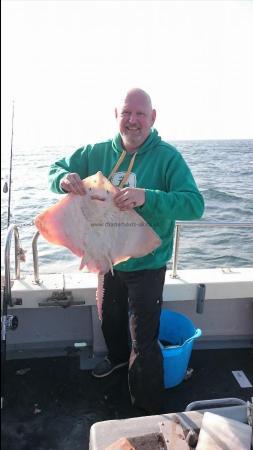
[{"x": 222, "y": 169}]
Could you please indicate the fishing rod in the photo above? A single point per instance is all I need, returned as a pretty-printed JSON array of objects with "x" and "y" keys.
[
  {"x": 7, "y": 321},
  {"x": 7, "y": 186}
]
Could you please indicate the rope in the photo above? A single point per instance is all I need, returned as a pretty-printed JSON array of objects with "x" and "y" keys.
[
  {"x": 117, "y": 165},
  {"x": 128, "y": 171},
  {"x": 122, "y": 157}
]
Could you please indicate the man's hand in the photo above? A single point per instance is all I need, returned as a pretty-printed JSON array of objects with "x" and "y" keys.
[
  {"x": 72, "y": 183},
  {"x": 129, "y": 198}
]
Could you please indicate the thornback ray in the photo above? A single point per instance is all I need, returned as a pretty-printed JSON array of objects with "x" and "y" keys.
[{"x": 93, "y": 228}]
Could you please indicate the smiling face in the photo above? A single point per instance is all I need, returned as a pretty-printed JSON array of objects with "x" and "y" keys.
[{"x": 135, "y": 118}]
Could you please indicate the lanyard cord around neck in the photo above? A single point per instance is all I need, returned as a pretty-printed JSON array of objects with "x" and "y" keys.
[{"x": 122, "y": 157}]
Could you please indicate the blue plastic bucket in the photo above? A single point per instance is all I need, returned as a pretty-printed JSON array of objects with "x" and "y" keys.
[{"x": 179, "y": 332}]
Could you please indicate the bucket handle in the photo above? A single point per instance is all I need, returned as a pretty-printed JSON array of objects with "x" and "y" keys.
[{"x": 197, "y": 333}]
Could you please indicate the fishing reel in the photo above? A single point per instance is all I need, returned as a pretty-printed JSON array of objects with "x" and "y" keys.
[{"x": 11, "y": 322}]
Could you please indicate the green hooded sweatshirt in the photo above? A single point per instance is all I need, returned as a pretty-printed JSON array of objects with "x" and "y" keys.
[{"x": 170, "y": 190}]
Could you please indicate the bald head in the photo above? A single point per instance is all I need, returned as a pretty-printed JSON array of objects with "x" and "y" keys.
[
  {"x": 136, "y": 93},
  {"x": 135, "y": 117}
]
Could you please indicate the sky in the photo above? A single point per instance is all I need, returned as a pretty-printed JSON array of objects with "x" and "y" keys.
[{"x": 64, "y": 64}]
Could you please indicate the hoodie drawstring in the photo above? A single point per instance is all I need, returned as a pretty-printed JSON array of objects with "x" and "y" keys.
[{"x": 122, "y": 157}]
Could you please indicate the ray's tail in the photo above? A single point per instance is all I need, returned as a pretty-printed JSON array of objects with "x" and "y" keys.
[{"x": 100, "y": 295}]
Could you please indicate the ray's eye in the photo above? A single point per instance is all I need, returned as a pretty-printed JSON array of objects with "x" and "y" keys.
[
  {"x": 107, "y": 192},
  {"x": 90, "y": 189}
]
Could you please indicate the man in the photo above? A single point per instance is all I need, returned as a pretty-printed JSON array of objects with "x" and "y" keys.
[{"x": 159, "y": 185}]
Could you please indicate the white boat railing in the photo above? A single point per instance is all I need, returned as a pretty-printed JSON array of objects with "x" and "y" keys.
[
  {"x": 19, "y": 254},
  {"x": 199, "y": 224},
  {"x": 35, "y": 257},
  {"x": 13, "y": 229}
]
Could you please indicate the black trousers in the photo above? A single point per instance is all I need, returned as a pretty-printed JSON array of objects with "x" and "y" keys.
[{"x": 130, "y": 324}]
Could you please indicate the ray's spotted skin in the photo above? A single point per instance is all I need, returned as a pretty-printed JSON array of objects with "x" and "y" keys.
[{"x": 92, "y": 227}]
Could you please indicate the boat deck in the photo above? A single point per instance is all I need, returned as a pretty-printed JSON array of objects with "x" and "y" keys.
[{"x": 50, "y": 404}]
